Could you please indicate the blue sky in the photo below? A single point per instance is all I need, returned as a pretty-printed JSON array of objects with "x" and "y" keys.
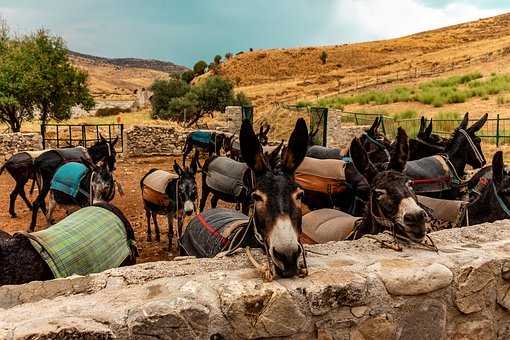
[{"x": 184, "y": 31}]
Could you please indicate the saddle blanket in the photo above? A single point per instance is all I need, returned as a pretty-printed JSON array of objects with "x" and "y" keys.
[
  {"x": 72, "y": 154},
  {"x": 325, "y": 225},
  {"x": 154, "y": 187},
  {"x": 90, "y": 240},
  {"x": 226, "y": 175},
  {"x": 430, "y": 174},
  {"x": 213, "y": 231},
  {"x": 68, "y": 177},
  {"x": 36, "y": 153},
  {"x": 445, "y": 210},
  {"x": 203, "y": 136},
  {"x": 322, "y": 175}
]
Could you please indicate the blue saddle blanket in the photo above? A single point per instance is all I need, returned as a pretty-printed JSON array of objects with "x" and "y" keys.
[
  {"x": 68, "y": 177},
  {"x": 202, "y": 136}
]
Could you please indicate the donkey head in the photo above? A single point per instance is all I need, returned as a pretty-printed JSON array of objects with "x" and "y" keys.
[
  {"x": 104, "y": 149},
  {"x": 101, "y": 181},
  {"x": 276, "y": 196},
  {"x": 375, "y": 143},
  {"x": 187, "y": 186},
  {"x": 501, "y": 178},
  {"x": 465, "y": 141},
  {"x": 263, "y": 134},
  {"x": 392, "y": 203}
]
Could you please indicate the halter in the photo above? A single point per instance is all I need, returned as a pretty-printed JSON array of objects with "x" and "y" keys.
[
  {"x": 379, "y": 144},
  {"x": 477, "y": 153}
]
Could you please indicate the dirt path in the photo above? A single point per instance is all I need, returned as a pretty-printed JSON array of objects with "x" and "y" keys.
[{"x": 128, "y": 173}]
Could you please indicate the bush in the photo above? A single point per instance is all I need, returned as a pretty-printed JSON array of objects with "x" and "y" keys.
[
  {"x": 323, "y": 57},
  {"x": 199, "y": 68},
  {"x": 163, "y": 92},
  {"x": 217, "y": 59},
  {"x": 187, "y": 76},
  {"x": 447, "y": 115},
  {"x": 110, "y": 111},
  {"x": 406, "y": 115}
]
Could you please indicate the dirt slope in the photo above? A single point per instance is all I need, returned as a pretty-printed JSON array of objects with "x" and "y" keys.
[{"x": 297, "y": 73}]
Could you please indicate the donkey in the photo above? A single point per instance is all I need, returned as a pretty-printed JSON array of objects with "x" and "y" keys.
[
  {"x": 441, "y": 175},
  {"x": 168, "y": 194},
  {"x": 210, "y": 141},
  {"x": 391, "y": 205},
  {"x": 47, "y": 164},
  {"x": 101, "y": 229},
  {"x": 233, "y": 149},
  {"x": 426, "y": 143},
  {"x": 275, "y": 224},
  {"x": 376, "y": 144},
  {"x": 77, "y": 185}
]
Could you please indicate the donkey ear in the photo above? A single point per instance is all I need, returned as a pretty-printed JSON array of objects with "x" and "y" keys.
[
  {"x": 422, "y": 125},
  {"x": 375, "y": 125},
  {"x": 261, "y": 129},
  {"x": 115, "y": 141},
  {"x": 102, "y": 138},
  {"x": 478, "y": 125},
  {"x": 194, "y": 163},
  {"x": 268, "y": 127},
  {"x": 251, "y": 150},
  {"x": 400, "y": 153},
  {"x": 498, "y": 167},
  {"x": 465, "y": 121},
  {"x": 296, "y": 149},
  {"x": 428, "y": 130},
  {"x": 360, "y": 160},
  {"x": 273, "y": 157},
  {"x": 177, "y": 168}
]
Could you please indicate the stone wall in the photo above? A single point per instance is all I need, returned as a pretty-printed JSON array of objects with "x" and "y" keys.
[
  {"x": 11, "y": 143},
  {"x": 342, "y": 136},
  {"x": 355, "y": 290},
  {"x": 147, "y": 140}
]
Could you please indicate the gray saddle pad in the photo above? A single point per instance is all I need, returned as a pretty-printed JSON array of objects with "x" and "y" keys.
[
  {"x": 72, "y": 154},
  {"x": 325, "y": 225},
  {"x": 212, "y": 231},
  {"x": 322, "y": 152},
  {"x": 430, "y": 174},
  {"x": 226, "y": 175},
  {"x": 445, "y": 210}
]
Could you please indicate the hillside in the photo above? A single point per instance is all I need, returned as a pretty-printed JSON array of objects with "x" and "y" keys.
[
  {"x": 290, "y": 75},
  {"x": 116, "y": 79}
]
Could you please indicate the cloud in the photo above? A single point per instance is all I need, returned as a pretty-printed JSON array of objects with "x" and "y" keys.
[{"x": 382, "y": 19}]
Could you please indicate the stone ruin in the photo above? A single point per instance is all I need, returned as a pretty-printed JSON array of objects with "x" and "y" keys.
[{"x": 355, "y": 290}]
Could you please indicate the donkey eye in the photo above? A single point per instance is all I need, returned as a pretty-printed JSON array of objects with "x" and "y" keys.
[
  {"x": 299, "y": 195},
  {"x": 379, "y": 193}
]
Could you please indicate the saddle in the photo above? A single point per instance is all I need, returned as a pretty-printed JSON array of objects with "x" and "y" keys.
[
  {"x": 68, "y": 178},
  {"x": 90, "y": 240},
  {"x": 203, "y": 136},
  {"x": 154, "y": 187},
  {"x": 321, "y": 175},
  {"x": 430, "y": 174},
  {"x": 36, "y": 153},
  {"x": 226, "y": 175},
  {"x": 445, "y": 210},
  {"x": 325, "y": 225},
  {"x": 213, "y": 231},
  {"x": 322, "y": 152},
  {"x": 72, "y": 154}
]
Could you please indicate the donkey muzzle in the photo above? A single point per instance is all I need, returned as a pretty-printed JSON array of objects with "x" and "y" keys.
[{"x": 189, "y": 207}]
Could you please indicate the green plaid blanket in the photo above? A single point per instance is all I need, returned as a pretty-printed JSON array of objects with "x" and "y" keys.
[{"x": 91, "y": 240}]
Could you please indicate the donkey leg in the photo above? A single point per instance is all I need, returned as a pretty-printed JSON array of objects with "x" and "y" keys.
[
  {"x": 51, "y": 207},
  {"x": 214, "y": 201},
  {"x": 24, "y": 197},
  {"x": 156, "y": 226},
  {"x": 203, "y": 199},
  {"x": 12, "y": 201},
  {"x": 149, "y": 233},
  {"x": 39, "y": 203}
]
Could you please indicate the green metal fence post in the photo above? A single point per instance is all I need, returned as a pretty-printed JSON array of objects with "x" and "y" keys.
[
  {"x": 356, "y": 118},
  {"x": 497, "y": 130}
]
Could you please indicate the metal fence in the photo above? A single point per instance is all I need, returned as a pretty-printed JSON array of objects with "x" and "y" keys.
[
  {"x": 68, "y": 135},
  {"x": 495, "y": 131}
]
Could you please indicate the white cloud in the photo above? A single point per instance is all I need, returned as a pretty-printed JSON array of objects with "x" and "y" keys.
[{"x": 381, "y": 19}]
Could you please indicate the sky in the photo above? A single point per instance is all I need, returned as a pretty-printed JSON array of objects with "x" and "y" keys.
[{"x": 184, "y": 31}]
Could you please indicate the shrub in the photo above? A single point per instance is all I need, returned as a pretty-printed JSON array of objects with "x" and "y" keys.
[
  {"x": 217, "y": 59},
  {"x": 200, "y": 67},
  {"x": 163, "y": 92},
  {"x": 187, "y": 76},
  {"x": 323, "y": 57},
  {"x": 447, "y": 115},
  {"x": 406, "y": 114}
]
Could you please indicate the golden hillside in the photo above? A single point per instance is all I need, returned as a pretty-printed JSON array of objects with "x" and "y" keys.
[{"x": 289, "y": 75}]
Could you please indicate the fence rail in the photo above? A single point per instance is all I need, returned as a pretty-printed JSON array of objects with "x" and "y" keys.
[
  {"x": 67, "y": 135},
  {"x": 495, "y": 131}
]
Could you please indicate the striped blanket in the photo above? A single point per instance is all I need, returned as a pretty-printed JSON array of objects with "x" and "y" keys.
[
  {"x": 68, "y": 177},
  {"x": 213, "y": 231},
  {"x": 90, "y": 240}
]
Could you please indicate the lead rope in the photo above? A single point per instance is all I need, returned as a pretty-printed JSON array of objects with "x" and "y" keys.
[
  {"x": 91, "y": 188},
  {"x": 478, "y": 156}
]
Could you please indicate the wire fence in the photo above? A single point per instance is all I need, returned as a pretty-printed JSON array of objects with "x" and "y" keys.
[{"x": 495, "y": 131}]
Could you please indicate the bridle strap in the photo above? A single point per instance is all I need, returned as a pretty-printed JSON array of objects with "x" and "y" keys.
[
  {"x": 477, "y": 153},
  {"x": 379, "y": 144},
  {"x": 501, "y": 203}
]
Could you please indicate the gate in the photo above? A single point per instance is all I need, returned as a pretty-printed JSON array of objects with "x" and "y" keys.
[
  {"x": 318, "y": 126},
  {"x": 70, "y": 135}
]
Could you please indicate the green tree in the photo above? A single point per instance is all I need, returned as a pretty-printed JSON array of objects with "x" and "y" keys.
[
  {"x": 324, "y": 57},
  {"x": 199, "y": 68},
  {"x": 36, "y": 75},
  {"x": 187, "y": 76},
  {"x": 217, "y": 59},
  {"x": 163, "y": 93}
]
